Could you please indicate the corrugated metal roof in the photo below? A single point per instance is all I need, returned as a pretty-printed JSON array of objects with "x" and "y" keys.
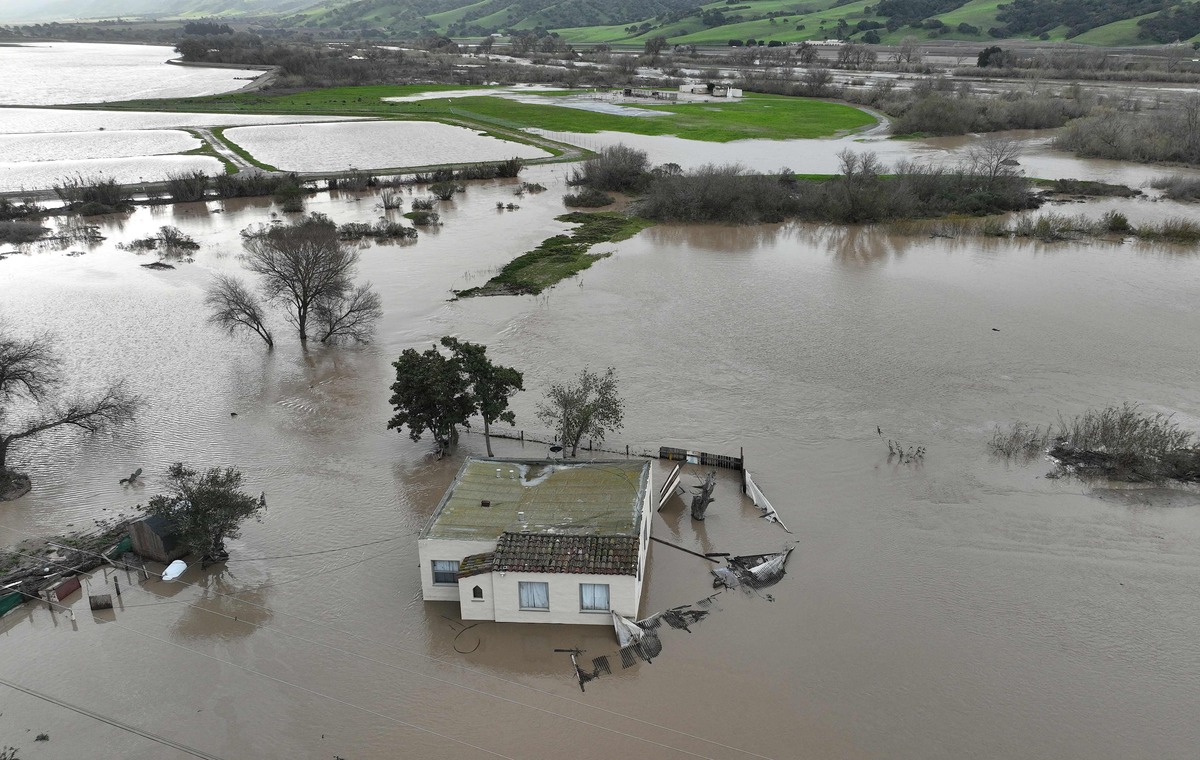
[
  {"x": 545, "y": 553},
  {"x": 579, "y": 498}
]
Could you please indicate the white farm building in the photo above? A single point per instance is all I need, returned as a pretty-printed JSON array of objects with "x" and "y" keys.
[{"x": 535, "y": 541}]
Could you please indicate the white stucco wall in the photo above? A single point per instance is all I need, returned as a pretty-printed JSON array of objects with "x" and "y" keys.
[
  {"x": 429, "y": 549},
  {"x": 477, "y": 609},
  {"x": 564, "y": 598}
]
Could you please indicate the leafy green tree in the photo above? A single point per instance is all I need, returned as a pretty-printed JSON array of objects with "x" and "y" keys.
[
  {"x": 206, "y": 508},
  {"x": 431, "y": 393},
  {"x": 589, "y": 406},
  {"x": 491, "y": 385},
  {"x": 655, "y": 45}
]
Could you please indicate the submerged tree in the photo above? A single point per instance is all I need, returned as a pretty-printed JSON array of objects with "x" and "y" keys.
[
  {"x": 206, "y": 508},
  {"x": 30, "y": 377},
  {"x": 589, "y": 406},
  {"x": 431, "y": 393},
  {"x": 491, "y": 385},
  {"x": 235, "y": 307},
  {"x": 306, "y": 268}
]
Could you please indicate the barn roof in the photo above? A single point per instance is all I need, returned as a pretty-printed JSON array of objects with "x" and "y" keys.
[{"x": 601, "y": 498}]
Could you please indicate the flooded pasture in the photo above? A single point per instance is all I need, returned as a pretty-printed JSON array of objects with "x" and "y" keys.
[
  {"x": 41, "y": 146},
  {"x": 1038, "y": 158},
  {"x": 961, "y": 607},
  {"x": 95, "y": 73},
  {"x": 65, "y": 146},
  {"x": 373, "y": 145},
  {"x": 37, "y": 120},
  {"x": 39, "y": 175}
]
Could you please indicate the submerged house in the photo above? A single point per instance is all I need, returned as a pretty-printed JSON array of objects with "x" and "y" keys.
[{"x": 535, "y": 541}]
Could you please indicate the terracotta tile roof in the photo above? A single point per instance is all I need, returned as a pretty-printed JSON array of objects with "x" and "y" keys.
[
  {"x": 551, "y": 553},
  {"x": 476, "y": 564}
]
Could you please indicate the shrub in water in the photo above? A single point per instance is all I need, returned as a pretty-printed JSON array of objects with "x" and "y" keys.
[{"x": 588, "y": 198}]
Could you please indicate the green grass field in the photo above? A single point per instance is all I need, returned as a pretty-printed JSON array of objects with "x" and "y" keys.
[
  {"x": 1115, "y": 34},
  {"x": 754, "y": 117}
]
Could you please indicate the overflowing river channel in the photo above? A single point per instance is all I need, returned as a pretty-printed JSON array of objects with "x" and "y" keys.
[{"x": 962, "y": 606}]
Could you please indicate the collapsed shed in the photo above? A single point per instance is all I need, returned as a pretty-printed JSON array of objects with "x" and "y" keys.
[{"x": 155, "y": 539}]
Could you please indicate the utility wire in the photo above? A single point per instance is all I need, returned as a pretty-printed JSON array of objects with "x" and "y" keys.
[
  {"x": 402, "y": 668},
  {"x": 112, "y": 722},
  {"x": 323, "y": 551},
  {"x": 314, "y": 692},
  {"x": 451, "y": 663}
]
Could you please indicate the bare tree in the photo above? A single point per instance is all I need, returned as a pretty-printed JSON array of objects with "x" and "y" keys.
[
  {"x": 588, "y": 406},
  {"x": 309, "y": 270},
  {"x": 909, "y": 51},
  {"x": 817, "y": 83},
  {"x": 348, "y": 316},
  {"x": 994, "y": 160},
  {"x": 30, "y": 373},
  {"x": 235, "y": 307}
]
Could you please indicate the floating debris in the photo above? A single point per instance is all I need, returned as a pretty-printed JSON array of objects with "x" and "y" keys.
[
  {"x": 628, "y": 632},
  {"x": 760, "y": 500},
  {"x": 753, "y": 570}
]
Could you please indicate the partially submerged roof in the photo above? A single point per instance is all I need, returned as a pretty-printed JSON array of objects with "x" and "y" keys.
[
  {"x": 548, "y": 553},
  {"x": 574, "y": 498}
]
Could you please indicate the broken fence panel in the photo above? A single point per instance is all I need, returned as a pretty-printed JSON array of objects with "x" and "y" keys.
[
  {"x": 671, "y": 486},
  {"x": 760, "y": 500}
]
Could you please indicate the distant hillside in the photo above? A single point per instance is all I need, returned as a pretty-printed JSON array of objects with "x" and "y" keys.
[
  {"x": 58, "y": 10},
  {"x": 1112, "y": 22}
]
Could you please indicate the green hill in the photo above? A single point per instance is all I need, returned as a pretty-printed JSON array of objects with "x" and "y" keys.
[{"x": 1101, "y": 22}]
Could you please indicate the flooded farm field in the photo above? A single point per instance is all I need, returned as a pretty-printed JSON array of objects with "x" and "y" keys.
[
  {"x": 957, "y": 606},
  {"x": 962, "y": 606},
  {"x": 122, "y": 72},
  {"x": 39, "y": 175},
  {"x": 65, "y": 146},
  {"x": 40, "y": 120},
  {"x": 1039, "y": 159},
  {"x": 373, "y": 145}
]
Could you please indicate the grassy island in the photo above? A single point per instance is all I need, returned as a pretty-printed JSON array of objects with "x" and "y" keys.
[{"x": 561, "y": 256}]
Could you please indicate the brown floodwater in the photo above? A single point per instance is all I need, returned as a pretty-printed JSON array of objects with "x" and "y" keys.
[{"x": 961, "y": 607}]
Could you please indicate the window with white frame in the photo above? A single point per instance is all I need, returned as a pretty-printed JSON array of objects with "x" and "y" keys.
[
  {"x": 445, "y": 572},
  {"x": 535, "y": 595},
  {"x": 593, "y": 597}
]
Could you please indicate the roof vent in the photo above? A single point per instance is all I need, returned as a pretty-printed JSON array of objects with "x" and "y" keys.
[
  {"x": 521, "y": 517},
  {"x": 485, "y": 503},
  {"x": 497, "y": 472}
]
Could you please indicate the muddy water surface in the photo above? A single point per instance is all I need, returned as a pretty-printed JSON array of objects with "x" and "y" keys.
[{"x": 965, "y": 607}]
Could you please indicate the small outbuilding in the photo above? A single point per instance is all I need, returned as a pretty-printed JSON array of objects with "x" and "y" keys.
[
  {"x": 534, "y": 541},
  {"x": 154, "y": 539}
]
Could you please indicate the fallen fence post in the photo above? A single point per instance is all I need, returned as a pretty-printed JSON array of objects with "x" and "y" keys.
[{"x": 687, "y": 551}]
